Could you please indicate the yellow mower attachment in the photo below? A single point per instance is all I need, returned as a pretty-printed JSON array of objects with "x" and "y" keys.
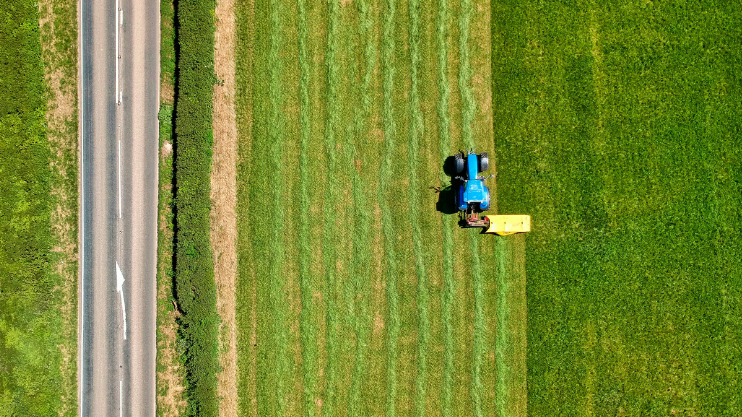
[{"x": 508, "y": 224}]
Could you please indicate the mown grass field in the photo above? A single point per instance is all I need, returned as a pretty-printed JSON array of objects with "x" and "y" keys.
[
  {"x": 617, "y": 126},
  {"x": 355, "y": 296}
]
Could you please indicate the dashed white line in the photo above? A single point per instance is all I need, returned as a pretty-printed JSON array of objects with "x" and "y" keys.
[
  {"x": 121, "y": 398},
  {"x": 117, "y": 57},
  {"x": 119, "y": 176}
]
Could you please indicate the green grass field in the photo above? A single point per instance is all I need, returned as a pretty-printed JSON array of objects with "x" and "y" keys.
[
  {"x": 355, "y": 295},
  {"x": 618, "y": 128},
  {"x": 615, "y": 126}
]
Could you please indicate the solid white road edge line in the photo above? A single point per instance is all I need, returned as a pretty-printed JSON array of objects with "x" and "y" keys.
[
  {"x": 120, "y": 289},
  {"x": 82, "y": 209}
]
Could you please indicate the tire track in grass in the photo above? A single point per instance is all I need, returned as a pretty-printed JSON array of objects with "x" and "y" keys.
[
  {"x": 415, "y": 131},
  {"x": 362, "y": 229},
  {"x": 309, "y": 353},
  {"x": 468, "y": 107},
  {"x": 329, "y": 254},
  {"x": 277, "y": 284},
  {"x": 447, "y": 221},
  {"x": 385, "y": 173}
]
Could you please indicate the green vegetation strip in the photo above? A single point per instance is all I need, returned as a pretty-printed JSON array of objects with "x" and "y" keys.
[
  {"x": 30, "y": 300},
  {"x": 385, "y": 174},
  {"x": 448, "y": 222},
  {"x": 329, "y": 251},
  {"x": 511, "y": 338},
  {"x": 309, "y": 353},
  {"x": 413, "y": 149},
  {"x": 468, "y": 108},
  {"x": 194, "y": 271},
  {"x": 361, "y": 273}
]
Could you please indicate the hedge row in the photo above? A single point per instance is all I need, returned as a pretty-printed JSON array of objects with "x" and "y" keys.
[{"x": 194, "y": 281}]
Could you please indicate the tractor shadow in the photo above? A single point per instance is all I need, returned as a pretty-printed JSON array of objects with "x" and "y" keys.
[{"x": 446, "y": 203}]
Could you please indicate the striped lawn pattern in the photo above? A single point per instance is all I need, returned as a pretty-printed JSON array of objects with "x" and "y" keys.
[{"x": 363, "y": 299}]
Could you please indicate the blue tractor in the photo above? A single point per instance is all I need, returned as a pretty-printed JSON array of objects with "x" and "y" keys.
[{"x": 473, "y": 197}]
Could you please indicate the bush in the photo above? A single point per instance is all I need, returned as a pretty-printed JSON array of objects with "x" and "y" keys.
[{"x": 194, "y": 281}]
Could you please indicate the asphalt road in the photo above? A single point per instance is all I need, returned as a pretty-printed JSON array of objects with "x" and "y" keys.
[{"x": 119, "y": 101}]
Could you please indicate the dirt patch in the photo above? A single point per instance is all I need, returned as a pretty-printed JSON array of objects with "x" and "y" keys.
[
  {"x": 167, "y": 149},
  {"x": 224, "y": 202}
]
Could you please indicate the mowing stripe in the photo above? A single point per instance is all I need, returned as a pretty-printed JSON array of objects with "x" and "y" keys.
[
  {"x": 309, "y": 353},
  {"x": 280, "y": 338},
  {"x": 448, "y": 223},
  {"x": 385, "y": 174},
  {"x": 329, "y": 253},
  {"x": 415, "y": 130},
  {"x": 468, "y": 107},
  {"x": 362, "y": 229}
]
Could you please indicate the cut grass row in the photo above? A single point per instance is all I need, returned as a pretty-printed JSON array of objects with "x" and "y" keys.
[
  {"x": 329, "y": 211},
  {"x": 385, "y": 176},
  {"x": 413, "y": 162}
]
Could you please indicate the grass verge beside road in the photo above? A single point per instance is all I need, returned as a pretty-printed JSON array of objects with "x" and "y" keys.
[{"x": 38, "y": 197}]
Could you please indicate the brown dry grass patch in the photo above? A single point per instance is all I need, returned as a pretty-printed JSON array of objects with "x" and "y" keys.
[
  {"x": 61, "y": 117},
  {"x": 224, "y": 202}
]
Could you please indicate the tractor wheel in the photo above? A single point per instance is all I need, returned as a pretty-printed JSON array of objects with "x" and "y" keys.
[
  {"x": 484, "y": 162},
  {"x": 459, "y": 158}
]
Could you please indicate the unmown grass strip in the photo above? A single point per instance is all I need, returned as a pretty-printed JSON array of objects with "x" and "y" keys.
[
  {"x": 385, "y": 173},
  {"x": 195, "y": 286},
  {"x": 510, "y": 342},
  {"x": 413, "y": 149},
  {"x": 631, "y": 267}
]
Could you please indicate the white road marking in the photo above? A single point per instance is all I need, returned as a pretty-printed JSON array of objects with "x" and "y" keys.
[
  {"x": 119, "y": 187},
  {"x": 121, "y": 17},
  {"x": 117, "y": 56},
  {"x": 120, "y": 289},
  {"x": 81, "y": 372},
  {"x": 121, "y": 398}
]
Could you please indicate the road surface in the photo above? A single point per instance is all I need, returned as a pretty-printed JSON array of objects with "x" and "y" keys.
[{"x": 119, "y": 101}]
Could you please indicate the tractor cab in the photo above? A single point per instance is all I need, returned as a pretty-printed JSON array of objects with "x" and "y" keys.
[{"x": 472, "y": 196}]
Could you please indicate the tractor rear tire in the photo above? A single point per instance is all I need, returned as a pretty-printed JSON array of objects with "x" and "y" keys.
[
  {"x": 459, "y": 158},
  {"x": 484, "y": 162}
]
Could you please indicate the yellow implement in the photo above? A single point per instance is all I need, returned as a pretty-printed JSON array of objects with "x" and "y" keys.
[{"x": 508, "y": 224}]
